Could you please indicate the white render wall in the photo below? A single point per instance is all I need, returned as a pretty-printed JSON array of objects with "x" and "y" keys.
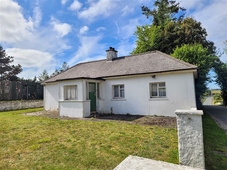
[
  {"x": 74, "y": 108},
  {"x": 54, "y": 99},
  {"x": 51, "y": 96},
  {"x": 179, "y": 90}
]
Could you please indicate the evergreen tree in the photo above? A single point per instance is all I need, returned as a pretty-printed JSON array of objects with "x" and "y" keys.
[
  {"x": 169, "y": 29},
  {"x": 44, "y": 76},
  {"x": 8, "y": 71}
]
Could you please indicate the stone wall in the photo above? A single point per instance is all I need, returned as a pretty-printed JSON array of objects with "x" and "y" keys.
[
  {"x": 20, "y": 104},
  {"x": 190, "y": 138}
]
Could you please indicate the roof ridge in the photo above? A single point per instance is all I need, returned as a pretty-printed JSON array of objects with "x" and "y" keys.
[
  {"x": 89, "y": 62},
  {"x": 117, "y": 57}
]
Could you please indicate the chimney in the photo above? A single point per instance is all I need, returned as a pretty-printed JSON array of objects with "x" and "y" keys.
[{"x": 111, "y": 54}]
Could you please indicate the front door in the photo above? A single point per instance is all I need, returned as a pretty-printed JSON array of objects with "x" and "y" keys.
[{"x": 92, "y": 96}]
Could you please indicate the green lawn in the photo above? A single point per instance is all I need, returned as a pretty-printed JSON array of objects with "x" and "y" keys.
[
  {"x": 34, "y": 142},
  {"x": 215, "y": 145}
]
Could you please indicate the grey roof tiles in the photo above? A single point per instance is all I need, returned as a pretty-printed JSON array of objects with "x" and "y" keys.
[{"x": 150, "y": 62}]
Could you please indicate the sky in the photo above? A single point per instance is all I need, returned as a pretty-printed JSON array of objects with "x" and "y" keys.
[{"x": 42, "y": 34}]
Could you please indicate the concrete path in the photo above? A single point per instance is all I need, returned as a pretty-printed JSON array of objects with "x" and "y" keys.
[
  {"x": 208, "y": 101},
  {"x": 219, "y": 114},
  {"x": 138, "y": 163}
]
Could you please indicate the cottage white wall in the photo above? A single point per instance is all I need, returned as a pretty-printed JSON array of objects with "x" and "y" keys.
[
  {"x": 74, "y": 108},
  {"x": 51, "y": 96},
  {"x": 179, "y": 90},
  {"x": 54, "y": 99}
]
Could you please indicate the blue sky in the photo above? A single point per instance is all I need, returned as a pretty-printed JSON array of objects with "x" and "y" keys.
[{"x": 42, "y": 34}]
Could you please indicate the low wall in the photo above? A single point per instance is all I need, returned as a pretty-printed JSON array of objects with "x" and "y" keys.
[{"x": 20, "y": 104}]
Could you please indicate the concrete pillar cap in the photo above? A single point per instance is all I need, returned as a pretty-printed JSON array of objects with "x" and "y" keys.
[{"x": 189, "y": 112}]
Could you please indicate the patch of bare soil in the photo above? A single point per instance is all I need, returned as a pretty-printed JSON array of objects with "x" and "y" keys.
[
  {"x": 169, "y": 122},
  {"x": 51, "y": 114},
  {"x": 163, "y": 121}
]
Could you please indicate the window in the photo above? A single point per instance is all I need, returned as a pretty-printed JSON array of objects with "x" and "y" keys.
[
  {"x": 98, "y": 90},
  {"x": 70, "y": 92},
  {"x": 118, "y": 91},
  {"x": 157, "y": 90}
]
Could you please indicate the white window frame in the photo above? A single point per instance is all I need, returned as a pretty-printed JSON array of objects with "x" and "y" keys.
[
  {"x": 120, "y": 88},
  {"x": 158, "y": 88},
  {"x": 70, "y": 92}
]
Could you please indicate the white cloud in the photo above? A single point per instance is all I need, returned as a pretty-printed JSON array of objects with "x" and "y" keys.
[
  {"x": 100, "y": 8},
  {"x": 118, "y": 29},
  {"x": 14, "y": 27},
  {"x": 75, "y": 6},
  {"x": 129, "y": 29},
  {"x": 28, "y": 59},
  {"x": 100, "y": 29},
  {"x": 61, "y": 28},
  {"x": 63, "y": 2},
  {"x": 189, "y": 4},
  {"x": 214, "y": 19},
  {"x": 127, "y": 10},
  {"x": 37, "y": 16},
  {"x": 89, "y": 48},
  {"x": 84, "y": 29},
  {"x": 34, "y": 46}
]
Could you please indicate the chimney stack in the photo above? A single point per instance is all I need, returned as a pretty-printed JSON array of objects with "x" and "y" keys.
[{"x": 111, "y": 54}]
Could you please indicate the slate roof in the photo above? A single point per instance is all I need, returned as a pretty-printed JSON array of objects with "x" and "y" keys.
[{"x": 145, "y": 63}]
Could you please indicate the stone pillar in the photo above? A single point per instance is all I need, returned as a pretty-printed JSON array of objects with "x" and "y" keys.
[{"x": 190, "y": 138}]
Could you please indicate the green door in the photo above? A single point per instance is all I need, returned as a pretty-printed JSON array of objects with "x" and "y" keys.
[{"x": 92, "y": 96}]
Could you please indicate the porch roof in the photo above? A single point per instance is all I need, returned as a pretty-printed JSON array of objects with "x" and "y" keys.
[{"x": 145, "y": 63}]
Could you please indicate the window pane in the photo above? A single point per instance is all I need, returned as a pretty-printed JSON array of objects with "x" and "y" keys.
[
  {"x": 162, "y": 92},
  {"x": 70, "y": 92},
  {"x": 122, "y": 93},
  {"x": 116, "y": 91},
  {"x": 73, "y": 92},
  {"x": 91, "y": 87},
  {"x": 154, "y": 91},
  {"x": 161, "y": 84}
]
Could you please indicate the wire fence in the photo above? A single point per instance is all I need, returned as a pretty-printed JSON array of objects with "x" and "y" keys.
[{"x": 20, "y": 90}]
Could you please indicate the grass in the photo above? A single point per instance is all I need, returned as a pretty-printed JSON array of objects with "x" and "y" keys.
[
  {"x": 34, "y": 142},
  {"x": 215, "y": 144}
]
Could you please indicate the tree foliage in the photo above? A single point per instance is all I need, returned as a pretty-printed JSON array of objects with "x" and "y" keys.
[
  {"x": 64, "y": 67},
  {"x": 7, "y": 70},
  {"x": 174, "y": 34},
  {"x": 164, "y": 12},
  {"x": 197, "y": 55},
  {"x": 169, "y": 29},
  {"x": 220, "y": 69},
  {"x": 44, "y": 76}
]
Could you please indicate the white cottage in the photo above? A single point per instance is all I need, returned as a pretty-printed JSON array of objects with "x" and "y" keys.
[{"x": 151, "y": 83}]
